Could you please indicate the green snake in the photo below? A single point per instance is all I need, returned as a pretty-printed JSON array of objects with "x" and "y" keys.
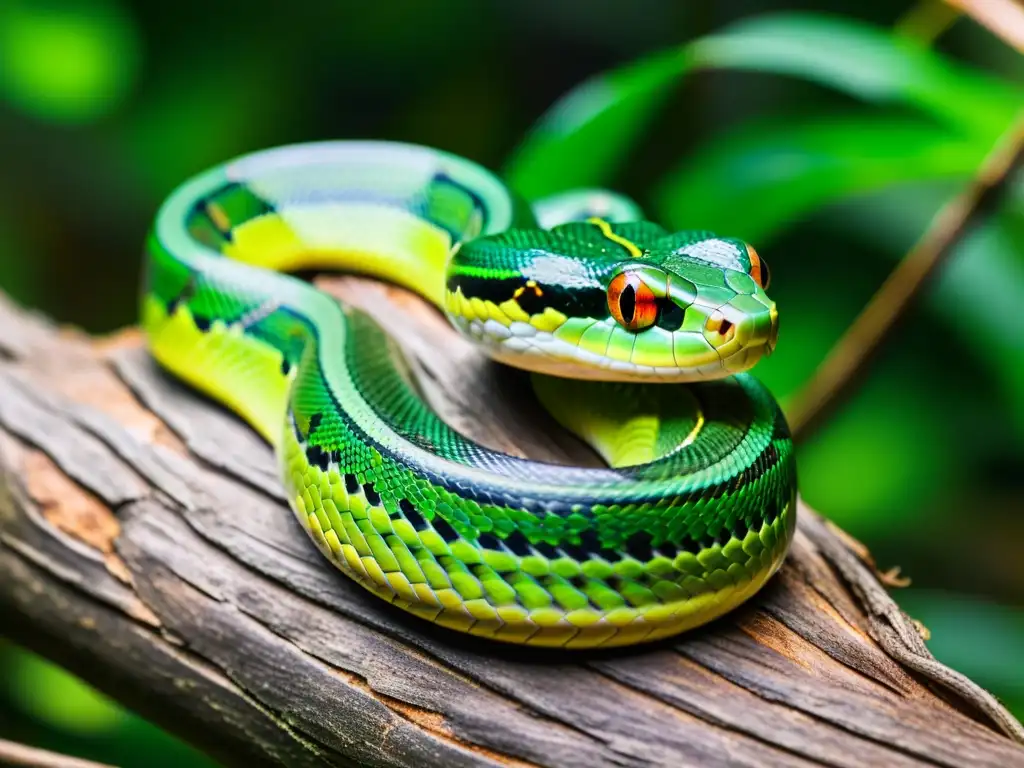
[{"x": 638, "y": 338}]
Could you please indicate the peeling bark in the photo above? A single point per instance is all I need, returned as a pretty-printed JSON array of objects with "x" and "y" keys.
[{"x": 145, "y": 545}]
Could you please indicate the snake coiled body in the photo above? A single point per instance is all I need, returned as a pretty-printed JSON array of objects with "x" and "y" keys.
[{"x": 694, "y": 513}]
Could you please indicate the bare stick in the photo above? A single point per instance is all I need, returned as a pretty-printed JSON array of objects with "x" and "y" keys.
[
  {"x": 12, "y": 753},
  {"x": 146, "y": 546},
  {"x": 1003, "y": 18}
]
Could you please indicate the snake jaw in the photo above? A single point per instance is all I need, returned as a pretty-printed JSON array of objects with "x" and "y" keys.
[{"x": 710, "y": 344}]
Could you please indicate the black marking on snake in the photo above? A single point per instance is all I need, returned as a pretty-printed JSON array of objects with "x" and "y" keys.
[
  {"x": 351, "y": 483},
  {"x": 616, "y": 583},
  {"x": 412, "y": 515},
  {"x": 589, "y": 544},
  {"x": 586, "y": 302},
  {"x": 772, "y": 510},
  {"x": 579, "y": 581},
  {"x": 740, "y": 530},
  {"x": 202, "y": 323},
  {"x": 545, "y": 549},
  {"x": 371, "y": 495},
  {"x": 285, "y": 366},
  {"x": 780, "y": 429},
  {"x": 314, "y": 422},
  {"x": 444, "y": 529},
  {"x": 488, "y": 541},
  {"x": 639, "y": 546},
  {"x": 316, "y": 456},
  {"x": 496, "y": 495},
  {"x": 517, "y": 543},
  {"x": 336, "y": 456},
  {"x": 667, "y": 549}
]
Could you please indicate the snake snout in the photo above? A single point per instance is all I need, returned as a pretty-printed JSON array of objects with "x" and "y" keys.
[{"x": 742, "y": 335}]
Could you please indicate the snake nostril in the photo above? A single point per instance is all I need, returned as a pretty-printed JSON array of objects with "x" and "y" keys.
[{"x": 725, "y": 327}]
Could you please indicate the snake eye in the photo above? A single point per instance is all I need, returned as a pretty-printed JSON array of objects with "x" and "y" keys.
[
  {"x": 759, "y": 269},
  {"x": 631, "y": 302}
]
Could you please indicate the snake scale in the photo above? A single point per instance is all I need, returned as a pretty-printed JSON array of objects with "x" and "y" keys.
[{"x": 638, "y": 340}]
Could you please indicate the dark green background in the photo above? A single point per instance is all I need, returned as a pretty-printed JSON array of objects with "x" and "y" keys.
[{"x": 831, "y": 166}]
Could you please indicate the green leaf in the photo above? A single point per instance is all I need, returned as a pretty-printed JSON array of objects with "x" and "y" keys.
[
  {"x": 586, "y": 135},
  {"x": 874, "y": 466},
  {"x": 71, "y": 62},
  {"x": 754, "y": 181},
  {"x": 57, "y": 698},
  {"x": 867, "y": 62},
  {"x": 582, "y": 140}
]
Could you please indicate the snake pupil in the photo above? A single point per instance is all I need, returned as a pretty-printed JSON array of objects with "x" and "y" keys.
[
  {"x": 632, "y": 302},
  {"x": 627, "y": 303}
]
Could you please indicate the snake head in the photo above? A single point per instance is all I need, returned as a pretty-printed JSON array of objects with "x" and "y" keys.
[{"x": 615, "y": 302}]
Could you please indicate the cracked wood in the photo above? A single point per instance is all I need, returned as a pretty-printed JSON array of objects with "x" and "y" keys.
[{"x": 146, "y": 546}]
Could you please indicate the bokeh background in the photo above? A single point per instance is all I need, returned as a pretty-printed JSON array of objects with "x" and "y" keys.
[{"x": 827, "y": 133}]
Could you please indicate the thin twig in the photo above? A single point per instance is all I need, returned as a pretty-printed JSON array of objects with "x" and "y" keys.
[
  {"x": 12, "y": 753},
  {"x": 836, "y": 376},
  {"x": 1003, "y": 18},
  {"x": 926, "y": 20}
]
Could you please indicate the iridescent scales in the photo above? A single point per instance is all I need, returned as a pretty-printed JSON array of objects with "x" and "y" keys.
[
  {"x": 556, "y": 601},
  {"x": 698, "y": 507}
]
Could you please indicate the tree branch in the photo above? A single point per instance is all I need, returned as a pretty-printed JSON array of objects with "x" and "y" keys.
[
  {"x": 145, "y": 545},
  {"x": 12, "y": 753},
  {"x": 1003, "y": 18},
  {"x": 847, "y": 361}
]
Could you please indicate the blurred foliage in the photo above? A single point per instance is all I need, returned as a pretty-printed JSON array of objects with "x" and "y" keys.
[
  {"x": 40, "y": 704},
  {"x": 829, "y": 139},
  {"x": 95, "y": 65}
]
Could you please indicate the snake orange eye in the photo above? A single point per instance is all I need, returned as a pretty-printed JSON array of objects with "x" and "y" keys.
[
  {"x": 631, "y": 302},
  {"x": 759, "y": 269}
]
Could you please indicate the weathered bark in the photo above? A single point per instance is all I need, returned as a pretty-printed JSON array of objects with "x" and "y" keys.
[{"x": 145, "y": 545}]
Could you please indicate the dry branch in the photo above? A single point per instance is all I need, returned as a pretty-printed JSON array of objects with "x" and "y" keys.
[
  {"x": 145, "y": 545},
  {"x": 1003, "y": 18},
  {"x": 848, "y": 360},
  {"x": 20, "y": 755}
]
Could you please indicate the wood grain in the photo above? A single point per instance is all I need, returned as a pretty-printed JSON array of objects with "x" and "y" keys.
[{"x": 146, "y": 546}]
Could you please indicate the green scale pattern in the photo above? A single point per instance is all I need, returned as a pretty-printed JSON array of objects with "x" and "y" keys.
[
  {"x": 474, "y": 539},
  {"x": 392, "y": 526}
]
